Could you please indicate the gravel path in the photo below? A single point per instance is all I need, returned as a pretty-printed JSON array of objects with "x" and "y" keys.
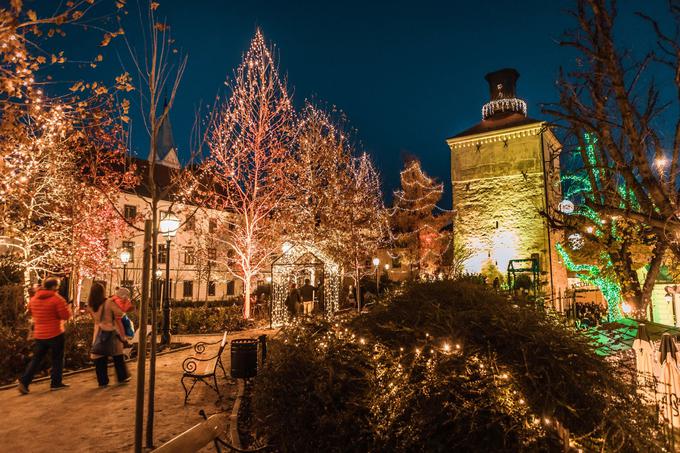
[{"x": 84, "y": 418}]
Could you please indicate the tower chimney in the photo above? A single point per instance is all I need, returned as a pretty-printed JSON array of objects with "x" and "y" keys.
[{"x": 503, "y": 102}]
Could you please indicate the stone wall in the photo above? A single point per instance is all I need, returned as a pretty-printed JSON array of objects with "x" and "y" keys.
[{"x": 498, "y": 193}]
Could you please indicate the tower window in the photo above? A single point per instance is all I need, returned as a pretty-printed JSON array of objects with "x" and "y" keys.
[
  {"x": 467, "y": 186},
  {"x": 496, "y": 224}
]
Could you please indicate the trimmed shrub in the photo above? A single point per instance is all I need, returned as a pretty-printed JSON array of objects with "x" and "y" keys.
[{"x": 202, "y": 319}]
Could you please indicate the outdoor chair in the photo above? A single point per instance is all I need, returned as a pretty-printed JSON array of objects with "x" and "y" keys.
[{"x": 202, "y": 368}]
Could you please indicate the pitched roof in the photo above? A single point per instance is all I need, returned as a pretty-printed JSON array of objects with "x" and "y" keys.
[
  {"x": 166, "y": 153},
  {"x": 490, "y": 125}
]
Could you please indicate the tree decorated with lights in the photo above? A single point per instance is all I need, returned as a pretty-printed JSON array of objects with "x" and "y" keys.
[
  {"x": 415, "y": 224},
  {"x": 598, "y": 241},
  {"x": 322, "y": 161},
  {"x": 365, "y": 222},
  {"x": 628, "y": 178},
  {"x": 250, "y": 142},
  {"x": 58, "y": 155}
]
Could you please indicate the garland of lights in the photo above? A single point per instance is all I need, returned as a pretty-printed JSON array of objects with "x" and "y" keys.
[
  {"x": 503, "y": 105},
  {"x": 580, "y": 187},
  {"x": 590, "y": 273}
]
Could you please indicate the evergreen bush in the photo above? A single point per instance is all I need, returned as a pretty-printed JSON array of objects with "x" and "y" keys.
[{"x": 446, "y": 366}]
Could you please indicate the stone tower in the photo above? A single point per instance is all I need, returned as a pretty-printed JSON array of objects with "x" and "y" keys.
[{"x": 503, "y": 177}]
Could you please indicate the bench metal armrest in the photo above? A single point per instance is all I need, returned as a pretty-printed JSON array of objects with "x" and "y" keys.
[
  {"x": 199, "y": 347},
  {"x": 190, "y": 363}
]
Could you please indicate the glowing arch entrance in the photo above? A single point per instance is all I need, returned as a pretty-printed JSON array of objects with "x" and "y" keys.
[{"x": 300, "y": 261}]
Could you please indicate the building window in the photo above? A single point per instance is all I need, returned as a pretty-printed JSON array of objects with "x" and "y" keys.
[
  {"x": 230, "y": 288},
  {"x": 188, "y": 288},
  {"x": 190, "y": 224},
  {"x": 396, "y": 262},
  {"x": 212, "y": 255},
  {"x": 130, "y": 212},
  {"x": 189, "y": 257},
  {"x": 211, "y": 288},
  {"x": 130, "y": 247},
  {"x": 212, "y": 225},
  {"x": 162, "y": 254}
]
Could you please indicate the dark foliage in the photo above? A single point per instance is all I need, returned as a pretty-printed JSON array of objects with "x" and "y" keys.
[
  {"x": 553, "y": 367},
  {"x": 10, "y": 271},
  {"x": 16, "y": 349},
  {"x": 445, "y": 366},
  {"x": 312, "y": 397},
  {"x": 202, "y": 319}
]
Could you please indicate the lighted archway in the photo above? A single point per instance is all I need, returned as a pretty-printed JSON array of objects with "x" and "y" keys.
[{"x": 295, "y": 257}]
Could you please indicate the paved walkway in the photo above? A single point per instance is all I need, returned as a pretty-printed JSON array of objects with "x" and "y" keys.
[{"x": 84, "y": 418}]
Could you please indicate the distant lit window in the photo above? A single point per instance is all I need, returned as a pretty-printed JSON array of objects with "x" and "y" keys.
[
  {"x": 212, "y": 255},
  {"x": 188, "y": 288},
  {"x": 189, "y": 257},
  {"x": 130, "y": 212},
  {"x": 162, "y": 254}
]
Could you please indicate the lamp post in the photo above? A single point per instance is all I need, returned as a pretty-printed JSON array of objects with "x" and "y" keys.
[
  {"x": 376, "y": 263},
  {"x": 125, "y": 257},
  {"x": 168, "y": 226}
]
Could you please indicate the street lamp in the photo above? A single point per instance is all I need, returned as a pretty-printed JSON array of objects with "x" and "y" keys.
[
  {"x": 168, "y": 226},
  {"x": 376, "y": 263},
  {"x": 125, "y": 257}
]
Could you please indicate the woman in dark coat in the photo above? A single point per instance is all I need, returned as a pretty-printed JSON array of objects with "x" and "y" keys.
[{"x": 293, "y": 301}]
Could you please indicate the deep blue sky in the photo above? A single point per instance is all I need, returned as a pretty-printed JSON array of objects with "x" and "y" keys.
[{"x": 407, "y": 74}]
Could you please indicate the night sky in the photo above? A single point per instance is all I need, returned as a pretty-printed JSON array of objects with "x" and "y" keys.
[{"x": 407, "y": 74}]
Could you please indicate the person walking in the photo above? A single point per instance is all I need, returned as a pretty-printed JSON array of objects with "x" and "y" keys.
[
  {"x": 293, "y": 301},
  {"x": 122, "y": 299},
  {"x": 49, "y": 311},
  {"x": 107, "y": 314},
  {"x": 307, "y": 296}
]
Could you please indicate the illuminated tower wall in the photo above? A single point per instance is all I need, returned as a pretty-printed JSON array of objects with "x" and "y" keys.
[{"x": 502, "y": 177}]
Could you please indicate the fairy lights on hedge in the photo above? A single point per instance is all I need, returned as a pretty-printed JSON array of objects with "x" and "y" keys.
[{"x": 396, "y": 369}]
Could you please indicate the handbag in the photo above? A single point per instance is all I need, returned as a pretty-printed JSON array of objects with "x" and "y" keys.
[
  {"x": 104, "y": 343},
  {"x": 127, "y": 326}
]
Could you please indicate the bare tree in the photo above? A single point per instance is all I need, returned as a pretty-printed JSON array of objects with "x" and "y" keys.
[{"x": 632, "y": 172}]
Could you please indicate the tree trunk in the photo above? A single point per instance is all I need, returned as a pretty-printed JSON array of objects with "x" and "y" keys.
[
  {"x": 246, "y": 297},
  {"x": 79, "y": 291},
  {"x": 357, "y": 286}
]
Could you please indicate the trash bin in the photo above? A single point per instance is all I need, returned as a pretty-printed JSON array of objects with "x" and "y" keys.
[{"x": 244, "y": 358}]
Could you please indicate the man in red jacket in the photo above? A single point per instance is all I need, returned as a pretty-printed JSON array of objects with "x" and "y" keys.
[{"x": 49, "y": 311}]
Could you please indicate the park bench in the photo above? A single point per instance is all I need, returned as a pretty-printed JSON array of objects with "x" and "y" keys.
[{"x": 203, "y": 368}]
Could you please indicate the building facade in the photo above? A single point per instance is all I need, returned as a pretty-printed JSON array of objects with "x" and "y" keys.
[
  {"x": 195, "y": 258},
  {"x": 503, "y": 176}
]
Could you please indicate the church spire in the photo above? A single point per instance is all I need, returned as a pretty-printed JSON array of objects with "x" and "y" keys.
[{"x": 165, "y": 144}]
